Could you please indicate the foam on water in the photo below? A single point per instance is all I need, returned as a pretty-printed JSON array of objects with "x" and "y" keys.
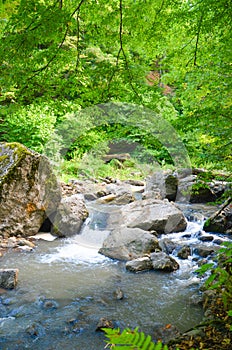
[
  {"x": 74, "y": 253},
  {"x": 81, "y": 249}
]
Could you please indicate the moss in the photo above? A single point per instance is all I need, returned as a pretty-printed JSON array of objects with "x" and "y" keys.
[
  {"x": 11, "y": 154},
  {"x": 207, "y": 223}
]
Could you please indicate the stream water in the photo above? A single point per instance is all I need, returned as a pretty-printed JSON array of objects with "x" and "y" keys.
[{"x": 65, "y": 287}]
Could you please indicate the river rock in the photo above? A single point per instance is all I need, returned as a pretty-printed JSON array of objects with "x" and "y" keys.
[
  {"x": 140, "y": 264},
  {"x": 125, "y": 243},
  {"x": 162, "y": 185},
  {"x": 117, "y": 199},
  {"x": 29, "y": 191},
  {"x": 203, "y": 251},
  {"x": 70, "y": 216},
  {"x": 196, "y": 190},
  {"x": 184, "y": 252},
  {"x": 150, "y": 214},
  {"x": 104, "y": 323},
  {"x": 221, "y": 221},
  {"x": 164, "y": 262},
  {"x": 167, "y": 245},
  {"x": 8, "y": 278}
]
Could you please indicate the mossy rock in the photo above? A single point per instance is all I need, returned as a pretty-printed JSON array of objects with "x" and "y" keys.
[{"x": 29, "y": 191}]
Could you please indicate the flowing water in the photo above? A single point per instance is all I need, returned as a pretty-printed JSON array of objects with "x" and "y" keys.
[{"x": 65, "y": 287}]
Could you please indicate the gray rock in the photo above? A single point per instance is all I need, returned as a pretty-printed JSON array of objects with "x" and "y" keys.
[
  {"x": 117, "y": 199},
  {"x": 205, "y": 238},
  {"x": 29, "y": 191},
  {"x": 162, "y": 185},
  {"x": 167, "y": 245},
  {"x": 70, "y": 216},
  {"x": 126, "y": 243},
  {"x": 90, "y": 196},
  {"x": 104, "y": 323},
  {"x": 164, "y": 262},
  {"x": 8, "y": 278},
  {"x": 204, "y": 251},
  {"x": 118, "y": 294},
  {"x": 221, "y": 221},
  {"x": 184, "y": 252},
  {"x": 140, "y": 264},
  {"x": 149, "y": 214},
  {"x": 122, "y": 157}
]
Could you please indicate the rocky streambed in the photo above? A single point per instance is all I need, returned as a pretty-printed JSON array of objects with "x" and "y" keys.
[
  {"x": 65, "y": 287},
  {"x": 82, "y": 274}
]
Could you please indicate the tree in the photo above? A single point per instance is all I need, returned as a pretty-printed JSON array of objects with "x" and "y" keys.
[{"x": 98, "y": 51}]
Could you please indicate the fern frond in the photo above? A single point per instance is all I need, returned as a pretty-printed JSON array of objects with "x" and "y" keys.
[{"x": 131, "y": 340}]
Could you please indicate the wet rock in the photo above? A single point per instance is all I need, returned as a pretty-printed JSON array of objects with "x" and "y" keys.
[
  {"x": 140, "y": 264},
  {"x": 167, "y": 245},
  {"x": 8, "y": 278},
  {"x": 70, "y": 216},
  {"x": 165, "y": 332},
  {"x": 126, "y": 243},
  {"x": 49, "y": 304},
  {"x": 25, "y": 242},
  {"x": 104, "y": 323},
  {"x": 221, "y": 221},
  {"x": 149, "y": 214},
  {"x": 23, "y": 248},
  {"x": 29, "y": 191},
  {"x": 204, "y": 251},
  {"x": 205, "y": 238},
  {"x": 164, "y": 262},
  {"x": 35, "y": 330},
  {"x": 218, "y": 241},
  {"x": 118, "y": 294},
  {"x": 184, "y": 252}
]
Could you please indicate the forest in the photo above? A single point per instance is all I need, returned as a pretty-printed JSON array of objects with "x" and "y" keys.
[
  {"x": 79, "y": 78},
  {"x": 60, "y": 59}
]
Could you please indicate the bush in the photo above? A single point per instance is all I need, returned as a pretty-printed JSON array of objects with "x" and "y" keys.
[{"x": 31, "y": 125}]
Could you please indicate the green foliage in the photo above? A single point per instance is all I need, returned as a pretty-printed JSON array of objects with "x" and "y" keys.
[
  {"x": 131, "y": 339},
  {"x": 94, "y": 52},
  {"x": 31, "y": 125},
  {"x": 221, "y": 276}
]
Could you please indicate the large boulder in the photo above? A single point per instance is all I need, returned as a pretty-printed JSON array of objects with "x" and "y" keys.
[
  {"x": 125, "y": 243},
  {"x": 29, "y": 191},
  {"x": 162, "y": 185},
  {"x": 70, "y": 216},
  {"x": 158, "y": 215},
  {"x": 221, "y": 221}
]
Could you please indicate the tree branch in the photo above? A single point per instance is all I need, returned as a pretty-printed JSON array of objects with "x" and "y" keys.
[
  {"x": 77, "y": 9},
  {"x": 60, "y": 45},
  {"x": 78, "y": 39},
  {"x": 197, "y": 40},
  {"x": 121, "y": 50}
]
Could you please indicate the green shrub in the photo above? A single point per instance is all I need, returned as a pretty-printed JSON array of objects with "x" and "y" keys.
[{"x": 32, "y": 126}]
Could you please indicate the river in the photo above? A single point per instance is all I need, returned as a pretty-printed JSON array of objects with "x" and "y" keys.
[{"x": 65, "y": 287}]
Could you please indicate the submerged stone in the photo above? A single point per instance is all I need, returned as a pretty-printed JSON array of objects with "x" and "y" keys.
[{"x": 8, "y": 278}]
